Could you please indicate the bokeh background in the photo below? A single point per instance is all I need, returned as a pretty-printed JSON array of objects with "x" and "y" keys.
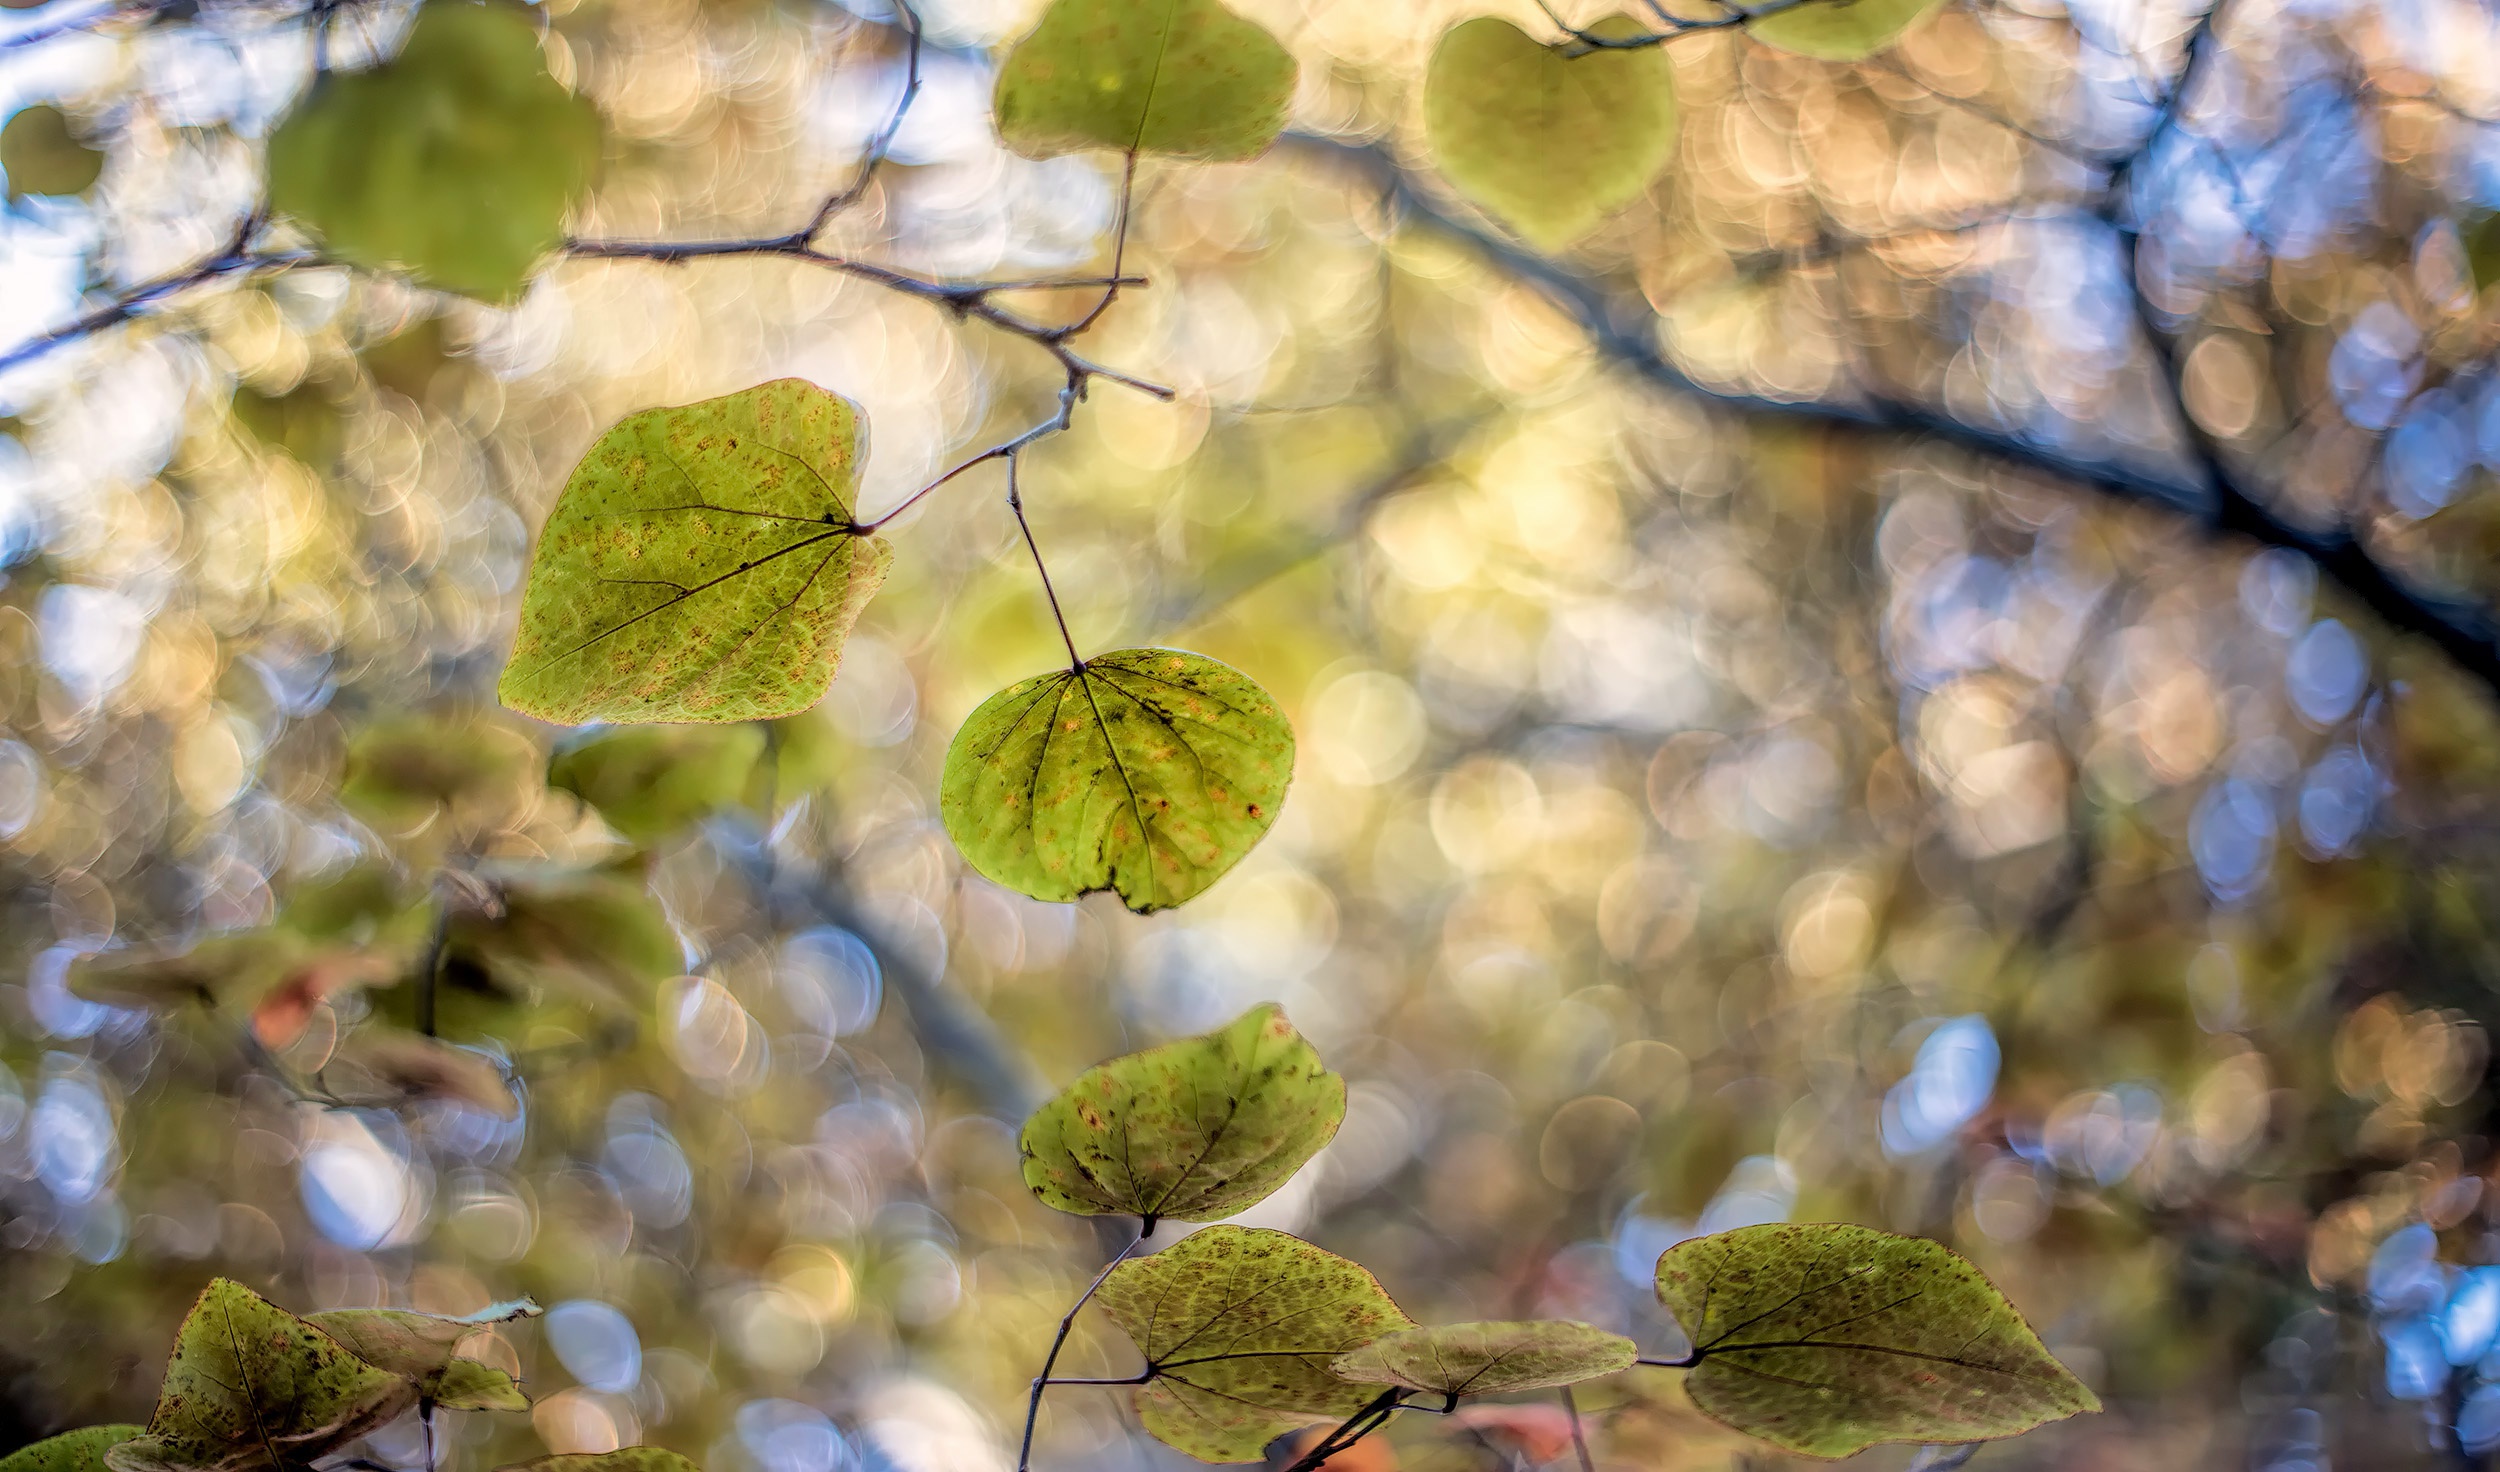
[{"x": 1721, "y": 798}]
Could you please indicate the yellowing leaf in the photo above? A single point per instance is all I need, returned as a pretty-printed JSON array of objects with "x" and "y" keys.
[
  {"x": 253, "y": 1388},
  {"x": 42, "y": 156},
  {"x": 701, "y": 565},
  {"x": 419, "y": 1347},
  {"x": 454, "y": 161},
  {"x": 1548, "y": 142},
  {"x": 406, "y": 773},
  {"x": 1185, "y": 77},
  {"x": 222, "y": 968},
  {"x": 1829, "y": 1339},
  {"x": 1839, "y": 30},
  {"x": 1147, "y": 772},
  {"x": 1489, "y": 1358},
  {"x": 1192, "y": 1130},
  {"x": 71, "y": 1451},
  {"x": 623, "y": 1459},
  {"x": 1239, "y": 1326},
  {"x": 651, "y": 781}
]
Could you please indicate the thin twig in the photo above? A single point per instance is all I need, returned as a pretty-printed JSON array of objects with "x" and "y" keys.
[
  {"x": 1041, "y": 1382},
  {"x": 1015, "y": 503},
  {"x": 1354, "y": 1428},
  {"x": 1579, "y": 1438},
  {"x": 883, "y": 142}
]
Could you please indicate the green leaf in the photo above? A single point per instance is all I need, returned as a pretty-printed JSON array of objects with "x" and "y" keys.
[
  {"x": 454, "y": 161},
  {"x": 1547, "y": 142},
  {"x": 651, "y": 781},
  {"x": 624, "y": 1459},
  {"x": 1181, "y": 77},
  {"x": 595, "y": 937},
  {"x": 405, "y": 773},
  {"x": 1239, "y": 1326},
  {"x": 222, "y": 969},
  {"x": 1840, "y": 30},
  {"x": 1147, "y": 772},
  {"x": 384, "y": 1066},
  {"x": 42, "y": 155},
  {"x": 701, "y": 565},
  {"x": 253, "y": 1388},
  {"x": 1489, "y": 1358},
  {"x": 1827, "y": 1339},
  {"x": 71, "y": 1451},
  {"x": 302, "y": 421},
  {"x": 2482, "y": 250},
  {"x": 419, "y": 1347},
  {"x": 1193, "y": 1130}
]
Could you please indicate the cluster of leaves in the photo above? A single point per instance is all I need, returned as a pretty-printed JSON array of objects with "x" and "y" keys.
[{"x": 1823, "y": 1339}]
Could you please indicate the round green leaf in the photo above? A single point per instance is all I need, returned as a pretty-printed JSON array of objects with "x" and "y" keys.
[
  {"x": 42, "y": 156},
  {"x": 418, "y": 1347},
  {"x": 1840, "y": 30},
  {"x": 651, "y": 781},
  {"x": 71, "y": 1451},
  {"x": 1146, "y": 772},
  {"x": 1193, "y": 1130},
  {"x": 1183, "y": 77},
  {"x": 454, "y": 161},
  {"x": 253, "y": 1388},
  {"x": 1239, "y": 1326},
  {"x": 1547, "y": 142},
  {"x": 1828, "y": 1339},
  {"x": 1489, "y": 1358},
  {"x": 623, "y": 1459},
  {"x": 701, "y": 565}
]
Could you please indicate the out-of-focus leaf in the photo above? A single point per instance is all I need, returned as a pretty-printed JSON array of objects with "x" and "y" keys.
[
  {"x": 1488, "y": 1358},
  {"x": 1146, "y": 772},
  {"x": 455, "y": 160},
  {"x": 623, "y": 1459},
  {"x": 252, "y": 1388},
  {"x": 1548, "y": 142},
  {"x": 405, "y": 1065},
  {"x": 404, "y": 774},
  {"x": 282, "y": 1012},
  {"x": 1538, "y": 1432},
  {"x": 1827, "y": 1339},
  {"x": 1193, "y": 1130},
  {"x": 419, "y": 1347},
  {"x": 1239, "y": 1326},
  {"x": 42, "y": 155},
  {"x": 365, "y": 905},
  {"x": 220, "y": 969},
  {"x": 302, "y": 421},
  {"x": 598, "y": 938},
  {"x": 651, "y": 781},
  {"x": 2482, "y": 250},
  {"x": 81, "y": 1450},
  {"x": 701, "y": 565},
  {"x": 1372, "y": 1454},
  {"x": 1839, "y": 30},
  {"x": 1182, "y": 77}
]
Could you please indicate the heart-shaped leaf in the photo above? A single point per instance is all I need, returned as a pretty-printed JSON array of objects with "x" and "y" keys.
[
  {"x": 253, "y": 1388},
  {"x": 1183, "y": 77},
  {"x": 594, "y": 937},
  {"x": 1147, "y": 772},
  {"x": 701, "y": 565},
  {"x": 1193, "y": 1130},
  {"x": 384, "y": 1066},
  {"x": 1828, "y": 1339},
  {"x": 623, "y": 1459},
  {"x": 1548, "y": 142},
  {"x": 42, "y": 156},
  {"x": 1839, "y": 30},
  {"x": 652, "y": 781},
  {"x": 1239, "y": 1326},
  {"x": 1489, "y": 1358},
  {"x": 238, "y": 967},
  {"x": 419, "y": 1347},
  {"x": 81, "y": 1450},
  {"x": 455, "y": 160}
]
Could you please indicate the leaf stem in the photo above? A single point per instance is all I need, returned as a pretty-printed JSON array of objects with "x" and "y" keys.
[
  {"x": 1579, "y": 1438},
  {"x": 1119, "y": 251},
  {"x": 1691, "y": 1358},
  {"x": 1041, "y": 1382},
  {"x": 1353, "y": 1429},
  {"x": 1076, "y": 663}
]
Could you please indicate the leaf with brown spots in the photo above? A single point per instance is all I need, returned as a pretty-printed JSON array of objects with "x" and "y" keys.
[
  {"x": 81, "y": 1450},
  {"x": 1489, "y": 1358},
  {"x": 1828, "y": 1339},
  {"x": 1193, "y": 1130},
  {"x": 253, "y": 1388},
  {"x": 1182, "y": 77},
  {"x": 1239, "y": 1326},
  {"x": 701, "y": 565},
  {"x": 1146, "y": 772},
  {"x": 421, "y": 1348}
]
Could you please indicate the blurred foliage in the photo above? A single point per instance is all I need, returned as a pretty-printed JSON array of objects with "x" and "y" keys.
[{"x": 1705, "y": 813}]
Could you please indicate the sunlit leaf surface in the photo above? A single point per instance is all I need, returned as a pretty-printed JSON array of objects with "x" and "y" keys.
[
  {"x": 1193, "y": 1130},
  {"x": 420, "y": 1348},
  {"x": 1829, "y": 1339},
  {"x": 1839, "y": 30},
  {"x": 651, "y": 781},
  {"x": 1146, "y": 772},
  {"x": 702, "y": 564},
  {"x": 1239, "y": 1326},
  {"x": 1489, "y": 1358},
  {"x": 1185, "y": 77},
  {"x": 71, "y": 1451}
]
